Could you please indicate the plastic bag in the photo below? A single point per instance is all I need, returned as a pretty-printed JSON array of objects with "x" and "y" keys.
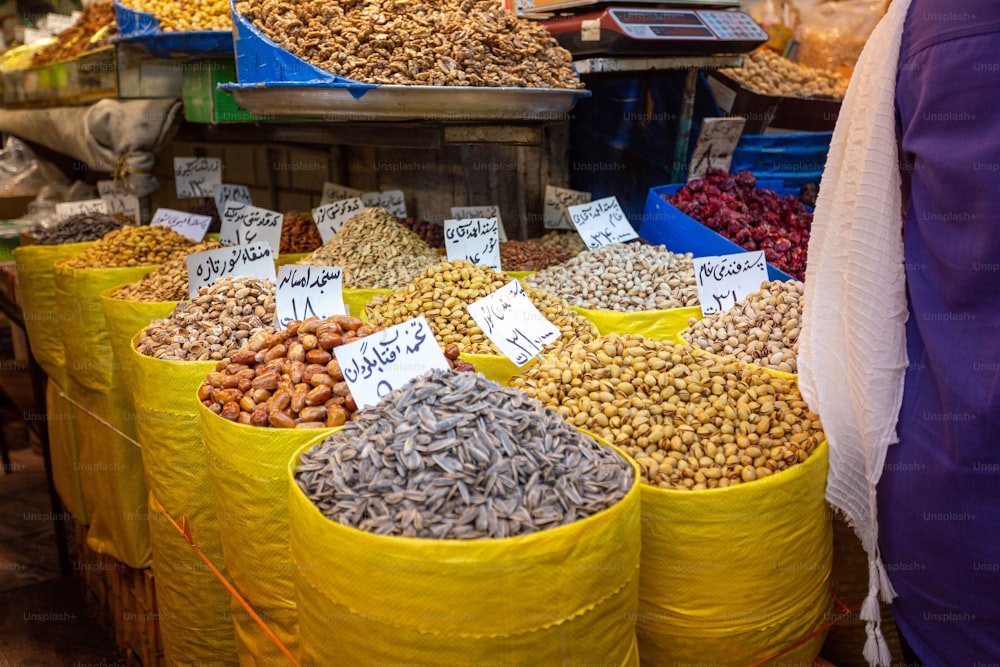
[
  {"x": 736, "y": 574},
  {"x": 832, "y": 34},
  {"x": 564, "y": 596},
  {"x": 248, "y": 469},
  {"x": 195, "y": 620},
  {"x": 655, "y": 324}
]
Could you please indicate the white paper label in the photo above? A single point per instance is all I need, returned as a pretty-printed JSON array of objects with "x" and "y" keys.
[
  {"x": 197, "y": 176},
  {"x": 255, "y": 260},
  {"x": 243, "y": 223},
  {"x": 32, "y": 35},
  {"x": 188, "y": 225},
  {"x": 119, "y": 203},
  {"x": 335, "y": 192},
  {"x": 391, "y": 200},
  {"x": 66, "y": 209},
  {"x": 56, "y": 23},
  {"x": 386, "y": 360},
  {"x": 555, "y": 215},
  {"x": 224, "y": 192},
  {"x": 723, "y": 280},
  {"x": 715, "y": 145},
  {"x": 331, "y": 217},
  {"x": 473, "y": 240},
  {"x": 470, "y": 212},
  {"x": 601, "y": 223},
  {"x": 509, "y": 319},
  {"x": 309, "y": 291},
  {"x": 590, "y": 30}
]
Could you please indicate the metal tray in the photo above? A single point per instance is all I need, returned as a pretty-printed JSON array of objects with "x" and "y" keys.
[{"x": 364, "y": 102}]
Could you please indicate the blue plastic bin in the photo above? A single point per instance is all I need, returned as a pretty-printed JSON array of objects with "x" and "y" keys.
[
  {"x": 143, "y": 28},
  {"x": 795, "y": 159}
]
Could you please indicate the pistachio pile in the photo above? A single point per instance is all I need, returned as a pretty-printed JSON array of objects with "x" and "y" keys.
[
  {"x": 374, "y": 251},
  {"x": 624, "y": 277},
  {"x": 167, "y": 283},
  {"x": 442, "y": 293},
  {"x": 571, "y": 241},
  {"x": 131, "y": 246},
  {"x": 691, "y": 421},
  {"x": 762, "y": 328},
  {"x": 766, "y": 72}
]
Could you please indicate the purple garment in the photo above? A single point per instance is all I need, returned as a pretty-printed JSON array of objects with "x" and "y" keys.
[{"x": 939, "y": 497}]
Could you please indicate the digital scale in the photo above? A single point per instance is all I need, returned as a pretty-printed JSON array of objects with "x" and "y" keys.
[{"x": 652, "y": 31}]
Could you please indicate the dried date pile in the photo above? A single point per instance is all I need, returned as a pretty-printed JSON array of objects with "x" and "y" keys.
[{"x": 427, "y": 43}]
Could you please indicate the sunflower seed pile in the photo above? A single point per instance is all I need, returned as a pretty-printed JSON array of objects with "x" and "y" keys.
[{"x": 457, "y": 456}]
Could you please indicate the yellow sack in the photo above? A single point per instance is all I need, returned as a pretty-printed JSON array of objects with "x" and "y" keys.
[
  {"x": 732, "y": 576},
  {"x": 520, "y": 275},
  {"x": 355, "y": 300},
  {"x": 247, "y": 466},
  {"x": 495, "y": 367},
  {"x": 565, "y": 596},
  {"x": 655, "y": 324},
  {"x": 195, "y": 621},
  {"x": 126, "y": 319},
  {"x": 63, "y": 452},
  {"x": 289, "y": 258}
]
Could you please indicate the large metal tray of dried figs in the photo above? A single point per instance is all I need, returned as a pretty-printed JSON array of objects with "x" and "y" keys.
[{"x": 360, "y": 102}]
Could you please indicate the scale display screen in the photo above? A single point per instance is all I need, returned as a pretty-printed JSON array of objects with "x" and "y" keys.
[
  {"x": 680, "y": 31},
  {"x": 657, "y": 18}
]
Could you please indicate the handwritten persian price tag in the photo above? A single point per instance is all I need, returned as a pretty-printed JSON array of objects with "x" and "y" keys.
[
  {"x": 386, "y": 360},
  {"x": 331, "y": 217},
  {"x": 475, "y": 240},
  {"x": 224, "y": 192},
  {"x": 197, "y": 176},
  {"x": 335, "y": 192},
  {"x": 188, "y": 225},
  {"x": 119, "y": 203},
  {"x": 255, "y": 260},
  {"x": 601, "y": 223},
  {"x": 511, "y": 321},
  {"x": 309, "y": 291},
  {"x": 243, "y": 223},
  {"x": 555, "y": 215},
  {"x": 470, "y": 212},
  {"x": 391, "y": 200},
  {"x": 66, "y": 209},
  {"x": 725, "y": 279}
]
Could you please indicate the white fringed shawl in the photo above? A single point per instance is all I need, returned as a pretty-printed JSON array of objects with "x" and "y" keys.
[{"x": 852, "y": 350}]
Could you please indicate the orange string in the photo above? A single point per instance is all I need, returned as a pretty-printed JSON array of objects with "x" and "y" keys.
[
  {"x": 845, "y": 611},
  {"x": 185, "y": 529}
]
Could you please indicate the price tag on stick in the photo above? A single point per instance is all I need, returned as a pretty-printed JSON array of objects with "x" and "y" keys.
[
  {"x": 331, "y": 217},
  {"x": 255, "y": 260},
  {"x": 307, "y": 291},
  {"x": 391, "y": 200},
  {"x": 197, "y": 176},
  {"x": 474, "y": 240},
  {"x": 243, "y": 223},
  {"x": 602, "y": 223},
  {"x": 386, "y": 360},
  {"x": 470, "y": 212},
  {"x": 335, "y": 192},
  {"x": 66, "y": 209},
  {"x": 555, "y": 215},
  {"x": 120, "y": 204},
  {"x": 715, "y": 146},
  {"x": 509, "y": 319},
  {"x": 189, "y": 225},
  {"x": 224, "y": 192},
  {"x": 725, "y": 279}
]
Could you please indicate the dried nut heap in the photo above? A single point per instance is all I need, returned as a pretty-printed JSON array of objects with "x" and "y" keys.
[
  {"x": 761, "y": 329},
  {"x": 768, "y": 73},
  {"x": 374, "y": 251},
  {"x": 444, "y": 290},
  {"x": 177, "y": 16},
  {"x": 167, "y": 283},
  {"x": 456, "y": 456},
  {"x": 691, "y": 421},
  {"x": 439, "y": 43},
  {"x": 214, "y": 324},
  {"x": 132, "y": 246},
  {"x": 299, "y": 233},
  {"x": 290, "y": 379},
  {"x": 568, "y": 240},
  {"x": 76, "y": 229},
  {"x": 530, "y": 255},
  {"x": 623, "y": 277},
  {"x": 76, "y": 39},
  {"x": 431, "y": 233}
]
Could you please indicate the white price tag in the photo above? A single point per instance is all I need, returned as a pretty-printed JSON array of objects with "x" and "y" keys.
[
  {"x": 509, "y": 319},
  {"x": 224, "y": 192},
  {"x": 555, "y": 215},
  {"x": 473, "y": 240},
  {"x": 188, "y": 225},
  {"x": 470, "y": 212},
  {"x": 119, "y": 203},
  {"x": 715, "y": 145},
  {"x": 66, "y": 209},
  {"x": 725, "y": 279},
  {"x": 309, "y": 291},
  {"x": 255, "y": 260},
  {"x": 243, "y": 223},
  {"x": 601, "y": 223},
  {"x": 197, "y": 176},
  {"x": 335, "y": 192},
  {"x": 386, "y": 360},
  {"x": 56, "y": 23},
  {"x": 391, "y": 200},
  {"x": 32, "y": 35},
  {"x": 331, "y": 217}
]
